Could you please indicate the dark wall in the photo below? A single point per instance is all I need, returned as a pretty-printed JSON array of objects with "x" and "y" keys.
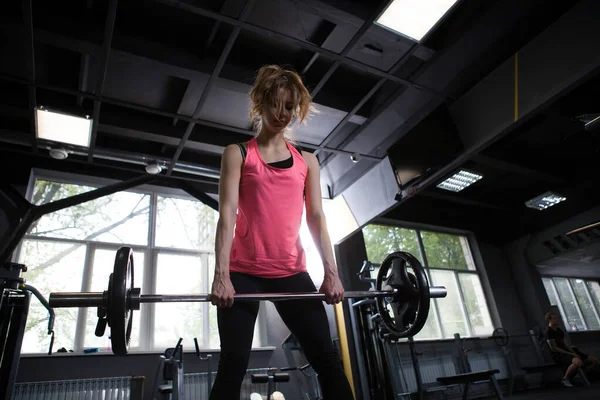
[{"x": 4, "y": 224}]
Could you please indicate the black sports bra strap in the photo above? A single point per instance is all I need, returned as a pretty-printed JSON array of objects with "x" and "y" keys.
[
  {"x": 243, "y": 150},
  {"x": 298, "y": 148}
]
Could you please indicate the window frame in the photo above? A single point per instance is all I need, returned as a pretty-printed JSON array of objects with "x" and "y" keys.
[
  {"x": 477, "y": 271},
  {"x": 150, "y": 251},
  {"x": 559, "y": 305}
]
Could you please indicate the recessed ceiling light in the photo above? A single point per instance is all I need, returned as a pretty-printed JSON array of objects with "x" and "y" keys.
[
  {"x": 58, "y": 153},
  {"x": 414, "y": 18},
  {"x": 545, "y": 200},
  {"x": 63, "y": 128},
  {"x": 460, "y": 180},
  {"x": 153, "y": 168}
]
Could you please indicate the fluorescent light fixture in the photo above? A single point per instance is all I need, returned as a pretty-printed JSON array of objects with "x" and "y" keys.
[
  {"x": 460, "y": 180},
  {"x": 414, "y": 18},
  {"x": 593, "y": 124},
  {"x": 545, "y": 200},
  {"x": 63, "y": 128},
  {"x": 583, "y": 228}
]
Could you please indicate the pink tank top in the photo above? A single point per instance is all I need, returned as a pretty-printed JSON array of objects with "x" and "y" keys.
[{"x": 266, "y": 242}]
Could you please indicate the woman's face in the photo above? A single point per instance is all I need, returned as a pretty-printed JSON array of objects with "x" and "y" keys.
[{"x": 276, "y": 120}]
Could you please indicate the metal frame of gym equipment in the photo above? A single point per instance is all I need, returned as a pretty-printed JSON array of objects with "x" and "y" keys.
[
  {"x": 171, "y": 371},
  {"x": 375, "y": 379},
  {"x": 15, "y": 294},
  {"x": 307, "y": 382},
  {"x": 15, "y": 297}
]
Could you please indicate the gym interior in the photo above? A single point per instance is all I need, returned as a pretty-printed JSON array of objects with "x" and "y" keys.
[{"x": 468, "y": 140}]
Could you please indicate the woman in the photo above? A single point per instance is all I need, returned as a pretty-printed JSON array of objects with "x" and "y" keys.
[{"x": 262, "y": 191}]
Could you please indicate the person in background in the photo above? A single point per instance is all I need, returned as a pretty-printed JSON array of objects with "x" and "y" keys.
[{"x": 563, "y": 353}]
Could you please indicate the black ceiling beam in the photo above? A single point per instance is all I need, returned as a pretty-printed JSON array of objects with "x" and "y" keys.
[
  {"x": 211, "y": 82},
  {"x": 158, "y": 138},
  {"x": 357, "y": 36},
  {"x": 207, "y": 44},
  {"x": 109, "y": 29},
  {"x": 83, "y": 76},
  {"x": 30, "y": 66},
  {"x": 328, "y": 12},
  {"x": 296, "y": 43},
  {"x": 167, "y": 114},
  {"x": 515, "y": 168},
  {"x": 199, "y": 194},
  {"x": 94, "y": 50},
  {"x": 376, "y": 114}
]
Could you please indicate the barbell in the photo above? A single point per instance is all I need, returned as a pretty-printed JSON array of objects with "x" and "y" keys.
[{"x": 402, "y": 298}]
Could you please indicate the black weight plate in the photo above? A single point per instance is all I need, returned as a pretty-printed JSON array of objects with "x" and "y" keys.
[
  {"x": 405, "y": 313},
  {"x": 119, "y": 313},
  {"x": 500, "y": 336}
]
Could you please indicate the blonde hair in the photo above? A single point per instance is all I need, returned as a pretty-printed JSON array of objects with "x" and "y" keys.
[{"x": 264, "y": 94}]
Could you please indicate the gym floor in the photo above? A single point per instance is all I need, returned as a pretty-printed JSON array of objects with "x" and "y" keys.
[{"x": 582, "y": 393}]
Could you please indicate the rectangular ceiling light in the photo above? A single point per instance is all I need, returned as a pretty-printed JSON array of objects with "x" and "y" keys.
[
  {"x": 544, "y": 201},
  {"x": 63, "y": 128},
  {"x": 414, "y": 18},
  {"x": 460, "y": 180}
]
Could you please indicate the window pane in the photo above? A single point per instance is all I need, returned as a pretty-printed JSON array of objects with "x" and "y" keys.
[
  {"x": 45, "y": 191},
  {"x": 51, "y": 267},
  {"x": 119, "y": 218},
  {"x": 381, "y": 240},
  {"x": 550, "y": 291},
  {"x": 450, "y": 307},
  {"x": 585, "y": 305},
  {"x": 178, "y": 274},
  {"x": 102, "y": 267},
  {"x": 477, "y": 309},
  {"x": 573, "y": 321},
  {"x": 594, "y": 288},
  {"x": 185, "y": 224},
  {"x": 447, "y": 251},
  {"x": 431, "y": 328}
]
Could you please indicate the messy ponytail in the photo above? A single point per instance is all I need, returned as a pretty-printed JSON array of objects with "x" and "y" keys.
[{"x": 264, "y": 93}]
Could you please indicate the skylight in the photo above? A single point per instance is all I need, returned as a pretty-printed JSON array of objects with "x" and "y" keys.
[
  {"x": 460, "y": 180},
  {"x": 545, "y": 201},
  {"x": 414, "y": 18},
  {"x": 63, "y": 128}
]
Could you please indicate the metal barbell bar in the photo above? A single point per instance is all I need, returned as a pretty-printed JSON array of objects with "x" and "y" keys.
[{"x": 96, "y": 299}]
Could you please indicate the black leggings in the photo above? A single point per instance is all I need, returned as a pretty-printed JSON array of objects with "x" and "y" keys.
[{"x": 306, "y": 319}]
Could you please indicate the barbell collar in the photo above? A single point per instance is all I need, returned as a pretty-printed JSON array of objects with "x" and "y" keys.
[{"x": 76, "y": 299}]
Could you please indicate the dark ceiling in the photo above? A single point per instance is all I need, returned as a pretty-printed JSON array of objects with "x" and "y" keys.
[{"x": 168, "y": 81}]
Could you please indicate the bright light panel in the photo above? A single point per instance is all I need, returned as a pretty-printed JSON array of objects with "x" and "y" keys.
[
  {"x": 414, "y": 18},
  {"x": 545, "y": 200},
  {"x": 459, "y": 181},
  {"x": 63, "y": 128}
]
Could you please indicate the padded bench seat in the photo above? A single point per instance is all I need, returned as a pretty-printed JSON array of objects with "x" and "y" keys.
[{"x": 471, "y": 377}]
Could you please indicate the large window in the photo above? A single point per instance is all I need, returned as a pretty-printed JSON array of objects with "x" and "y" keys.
[
  {"x": 578, "y": 301},
  {"x": 74, "y": 249},
  {"x": 448, "y": 262}
]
